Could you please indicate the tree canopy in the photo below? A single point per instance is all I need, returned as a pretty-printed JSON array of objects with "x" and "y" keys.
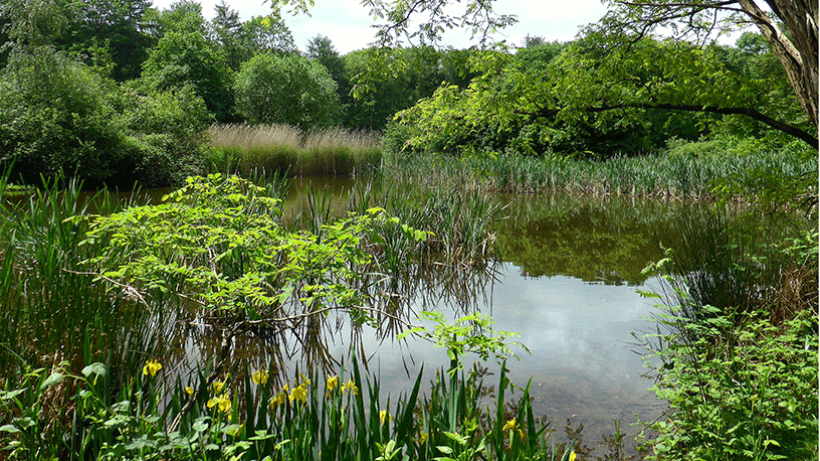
[{"x": 789, "y": 27}]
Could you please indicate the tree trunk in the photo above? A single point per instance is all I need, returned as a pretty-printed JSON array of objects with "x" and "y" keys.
[{"x": 797, "y": 51}]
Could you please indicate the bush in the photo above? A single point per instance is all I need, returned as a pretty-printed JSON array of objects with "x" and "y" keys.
[
  {"x": 286, "y": 90},
  {"x": 746, "y": 389},
  {"x": 168, "y": 135},
  {"x": 55, "y": 115}
]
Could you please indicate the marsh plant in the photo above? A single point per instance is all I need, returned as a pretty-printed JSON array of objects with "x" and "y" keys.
[
  {"x": 736, "y": 352},
  {"x": 285, "y": 148},
  {"x": 666, "y": 175}
]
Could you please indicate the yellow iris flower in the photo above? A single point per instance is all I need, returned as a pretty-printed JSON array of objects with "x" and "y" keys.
[
  {"x": 299, "y": 393},
  {"x": 260, "y": 377},
  {"x": 151, "y": 368},
  {"x": 350, "y": 386},
  {"x": 332, "y": 382}
]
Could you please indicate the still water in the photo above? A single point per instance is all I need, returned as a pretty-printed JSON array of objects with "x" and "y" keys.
[{"x": 566, "y": 279}]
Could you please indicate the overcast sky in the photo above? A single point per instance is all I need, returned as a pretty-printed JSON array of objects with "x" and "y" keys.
[{"x": 348, "y": 24}]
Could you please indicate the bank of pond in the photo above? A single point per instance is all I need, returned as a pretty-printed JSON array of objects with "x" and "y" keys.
[{"x": 422, "y": 314}]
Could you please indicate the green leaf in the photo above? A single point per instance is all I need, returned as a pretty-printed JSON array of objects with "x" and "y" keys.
[{"x": 53, "y": 379}]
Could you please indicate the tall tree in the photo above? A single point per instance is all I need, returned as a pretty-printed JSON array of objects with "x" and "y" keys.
[{"x": 114, "y": 24}]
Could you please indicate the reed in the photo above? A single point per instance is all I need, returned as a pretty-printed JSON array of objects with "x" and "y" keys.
[
  {"x": 659, "y": 176},
  {"x": 242, "y": 148}
]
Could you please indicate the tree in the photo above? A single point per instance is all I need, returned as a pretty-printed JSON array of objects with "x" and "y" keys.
[
  {"x": 268, "y": 34},
  {"x": 286, "y": 89},
  {"x": 188, "y": 58},
  {"x": 791, "y": 29},
  {"x": 789, "y": 26},
  {"x": 114, "y": 24},
  {"x": 320, "y": 48}
]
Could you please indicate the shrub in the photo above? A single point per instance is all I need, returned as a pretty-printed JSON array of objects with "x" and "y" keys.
[
  {"x": 55, "y": 115},
  {"x": 286, "y": 89},
  {"x": 745, "y": 389}
]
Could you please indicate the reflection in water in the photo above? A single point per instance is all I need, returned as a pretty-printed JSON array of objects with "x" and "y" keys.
[{"x": 607, "y": 240}]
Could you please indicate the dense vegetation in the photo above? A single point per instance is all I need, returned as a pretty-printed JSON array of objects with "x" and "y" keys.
[{"x": 99, "y": 296}]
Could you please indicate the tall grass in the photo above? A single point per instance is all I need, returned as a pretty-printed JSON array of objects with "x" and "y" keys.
[
  {"x": 243, "y": 148},
  {"x": 247, "y": 416},
  {"x": 51, "y": 311},
  {"x": 660, "y": 176}
]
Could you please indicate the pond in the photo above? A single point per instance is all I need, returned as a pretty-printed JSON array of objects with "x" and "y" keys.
[
  {"x": 567, "y": 279},
  {"x": 566, "y": 273}
]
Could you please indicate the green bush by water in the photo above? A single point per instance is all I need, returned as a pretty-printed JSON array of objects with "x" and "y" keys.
[{"x": 736, "y": 356}]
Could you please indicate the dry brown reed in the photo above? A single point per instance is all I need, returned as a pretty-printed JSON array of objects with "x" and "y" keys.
[{"x": 244, "y": 148}]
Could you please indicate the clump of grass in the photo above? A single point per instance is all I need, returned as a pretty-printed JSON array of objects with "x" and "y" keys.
[{"x": 243, "y": 148}]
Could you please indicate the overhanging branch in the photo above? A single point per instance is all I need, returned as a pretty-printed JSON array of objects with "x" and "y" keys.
[{"x": 754, "y": 114}]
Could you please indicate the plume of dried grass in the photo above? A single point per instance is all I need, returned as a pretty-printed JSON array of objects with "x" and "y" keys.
[{"x": 245, "y": 148}]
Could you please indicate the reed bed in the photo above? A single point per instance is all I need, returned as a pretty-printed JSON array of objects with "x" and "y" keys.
[
  {"x": 244, "y": 148},
  {"x": 656, "y": 176}
]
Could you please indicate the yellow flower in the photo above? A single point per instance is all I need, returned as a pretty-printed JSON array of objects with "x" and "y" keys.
[
  {"x": 350, "y": 386},
  {"x": 511, "y": 424},
  {"x": 572, "y": 456},
  {"x": 217, "y": 386},
  {"x": 151, "y": 368},
  {"x": 222, "y": 403},
  {"x": 422, "y": 437},
  {"x": 280, "y": 399},
  {"x": 189, "y": 390},
  {"x": 384, "y": 416},
  {"x": 299, "y": 393},
  {"x": 332, "y": 382},
  {"x": 225, "y": 404},
  {"x": 260, "y": 377}
]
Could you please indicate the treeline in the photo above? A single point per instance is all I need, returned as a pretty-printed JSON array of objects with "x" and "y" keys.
[{"x": 117, "y": 92}]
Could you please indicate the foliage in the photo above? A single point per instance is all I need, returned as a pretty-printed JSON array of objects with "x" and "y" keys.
[
  {"x": 287, "y": 90},
  {"x": 56, "y": 114},
  {"x": 248, "y": 416},
  {"x": 188, "y": 59},
  {"x": 577, "y": 98},
  {"x": 745, "y": 389},
  {"x": 385, "y": 81},
  {"x": 789, "y": 28},
  {"x": 115, "y": 25},
  {"x": 217, "y": 242}
]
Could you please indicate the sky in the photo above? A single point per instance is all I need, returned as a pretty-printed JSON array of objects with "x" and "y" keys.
[{"x": 349, "y": 25}]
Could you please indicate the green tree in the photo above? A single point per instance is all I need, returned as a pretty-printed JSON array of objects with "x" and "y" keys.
[
  {"x": 116, "y": 25},
  {"x": 789, "y": 26},
  {"x": 320, "y": 48},
  {"x": 287, "y": 89},
  {"x": 188, "y": 58},
  {"x": 267, "y": 34},
  {"x": 386, "y": 81},
  {"x": 791, "y": 30},
  {"x": 55, "y": 115},
  {"x": 226, "y": 30}
]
